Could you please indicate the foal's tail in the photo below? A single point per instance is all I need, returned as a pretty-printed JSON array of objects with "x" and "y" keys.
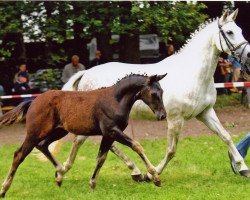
[{"x": 15, "y": 115}]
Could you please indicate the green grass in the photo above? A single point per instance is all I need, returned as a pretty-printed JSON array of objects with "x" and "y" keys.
[
  {"x": 200, "y": 170},
  {"x": 223, "y": 101}
]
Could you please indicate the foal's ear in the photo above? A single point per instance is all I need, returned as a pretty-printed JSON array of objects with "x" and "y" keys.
[
  {"x": 155, "y": 78},
  {"x": 159, "y": 77}
]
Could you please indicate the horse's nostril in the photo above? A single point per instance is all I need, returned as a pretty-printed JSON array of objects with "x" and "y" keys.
[{"x": 248, "y": 54}]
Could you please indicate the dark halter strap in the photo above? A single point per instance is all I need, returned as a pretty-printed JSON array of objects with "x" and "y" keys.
[{"x": 229, "y": 44}]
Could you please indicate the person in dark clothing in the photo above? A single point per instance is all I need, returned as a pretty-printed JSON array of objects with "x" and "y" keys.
[{"x": 98, "y": 59}]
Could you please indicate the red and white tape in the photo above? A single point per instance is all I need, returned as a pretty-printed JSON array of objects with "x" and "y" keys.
[
  {"x": 18, "y": 96},
  {"x": 232, "y": 84},
  {"x": 217, "y": 85}
]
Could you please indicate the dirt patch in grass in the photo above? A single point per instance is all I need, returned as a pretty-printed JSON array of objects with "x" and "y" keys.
[{"x": 234, "y": 118}]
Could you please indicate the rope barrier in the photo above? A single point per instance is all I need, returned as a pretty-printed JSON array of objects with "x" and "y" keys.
[
  {"x": 18, "y": 96},
  {"x": 217, "y": 85}
]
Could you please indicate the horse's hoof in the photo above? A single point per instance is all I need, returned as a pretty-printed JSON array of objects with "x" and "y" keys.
[
  {"x": 245, "y": 173},
  {"x": 2, "y": 194},
  {"x": 92, "y": 185},
  {"x": 157, "y": 183},
  {"x": 137, "y": 177},
  {"x": 59, "y": 183}
]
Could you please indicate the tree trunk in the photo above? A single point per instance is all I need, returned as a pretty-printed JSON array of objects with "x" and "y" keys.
[
  {"x": 79, "y": 44},
  {"x": 103, "y": 44},
  {"x": 129, "y": 51}
]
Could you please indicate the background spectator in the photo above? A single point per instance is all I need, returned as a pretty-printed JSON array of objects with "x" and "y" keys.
[
  {"x": 22, "y": 69},
  {"x": 226, "y": 71},
  {"x": 98, "y": 59},
  {"x": 71, "y": 68},
  {"x": 236, "y": 71},
  {"x": 21, "y": 83},
  {"x": 170, "y": 49}
]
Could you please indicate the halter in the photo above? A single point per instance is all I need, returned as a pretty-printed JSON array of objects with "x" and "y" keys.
[{"x": 230, "y": 46}]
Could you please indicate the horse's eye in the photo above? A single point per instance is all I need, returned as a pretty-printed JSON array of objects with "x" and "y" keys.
[{"x": 230, "y": 32}]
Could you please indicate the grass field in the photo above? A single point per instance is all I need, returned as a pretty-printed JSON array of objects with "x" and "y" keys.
[{"x": 200, "y": 170}]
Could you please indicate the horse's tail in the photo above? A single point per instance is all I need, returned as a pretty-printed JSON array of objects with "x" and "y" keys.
[
  {"x": 73, "y": 82},
  {"x": 15, "y": 115}
]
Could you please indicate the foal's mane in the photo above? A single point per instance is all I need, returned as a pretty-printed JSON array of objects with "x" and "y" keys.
[
  {"x": 129, "y": 76},
  {"x": 121, "y": 89}
]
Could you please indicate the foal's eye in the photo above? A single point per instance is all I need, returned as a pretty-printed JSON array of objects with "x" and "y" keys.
[
  {"x": 154, "y": 95},
  {"x": 230, "y": 32}
]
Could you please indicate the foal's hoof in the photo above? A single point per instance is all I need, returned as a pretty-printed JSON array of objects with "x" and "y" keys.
[
  {"x": 245, "y": 173},
  {"x": 2, "y": 194},
  {"x": 137, "y": 177},
  {"x": 146, "y": 178},
  {"x": 58, "y": 180}
]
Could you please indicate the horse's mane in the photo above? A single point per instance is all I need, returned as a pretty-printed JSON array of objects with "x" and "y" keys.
[{"x": 195, "y": 33}]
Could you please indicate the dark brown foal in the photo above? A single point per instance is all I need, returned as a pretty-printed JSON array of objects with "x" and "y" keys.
[{"x": 99, "y": 112}]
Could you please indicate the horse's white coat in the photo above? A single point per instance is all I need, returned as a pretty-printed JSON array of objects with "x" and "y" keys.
[{"x": 189, "y": 86}]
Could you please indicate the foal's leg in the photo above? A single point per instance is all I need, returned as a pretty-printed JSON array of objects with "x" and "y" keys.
[
  {"x": 78, "y": 142},
  {"x": 19, "y": 156},
  {"x": 43, "y": 146},
  {"x": 102, "y": 155},
  {"x": 209, "y": 118},
  {"x": 124, "y": 139}
]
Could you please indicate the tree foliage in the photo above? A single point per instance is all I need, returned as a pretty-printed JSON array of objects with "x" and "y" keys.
[{"x": 55, "y": 23}]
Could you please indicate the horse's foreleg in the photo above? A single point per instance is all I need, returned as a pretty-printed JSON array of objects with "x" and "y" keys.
[
  {"x": 210, "y": 119},
  {"x": 102, "y": 155},
  {"x": 124, "y": 139},
  {"x": 78, "y": 141},
  {"x": 19, "y": 156},
  {"x": 136, "y": 173},
  {"x": 174, "y": 128}
]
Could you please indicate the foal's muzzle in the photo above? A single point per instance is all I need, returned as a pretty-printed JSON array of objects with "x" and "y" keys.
[{"x": 160, "y": 115}]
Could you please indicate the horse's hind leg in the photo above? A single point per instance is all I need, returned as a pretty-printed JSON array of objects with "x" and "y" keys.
[
  {"x": 136, "y": 173},
  {"x": 209, "y": 118},
  {"x": 78, "y": 141},
  {"x": 19, "y": 156},
  {"x": 102, "y": 155}
]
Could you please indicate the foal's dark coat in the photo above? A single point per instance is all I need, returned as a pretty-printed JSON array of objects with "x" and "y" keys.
[{"x": 99, "y": 112}]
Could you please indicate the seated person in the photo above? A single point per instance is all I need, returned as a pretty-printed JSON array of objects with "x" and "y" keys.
[{"x": 21, "y": 85}]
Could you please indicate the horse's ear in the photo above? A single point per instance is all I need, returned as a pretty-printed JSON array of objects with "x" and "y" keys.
[
  {"x": 234, "y": 15},
  {"x": 224, "y": 16}
]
